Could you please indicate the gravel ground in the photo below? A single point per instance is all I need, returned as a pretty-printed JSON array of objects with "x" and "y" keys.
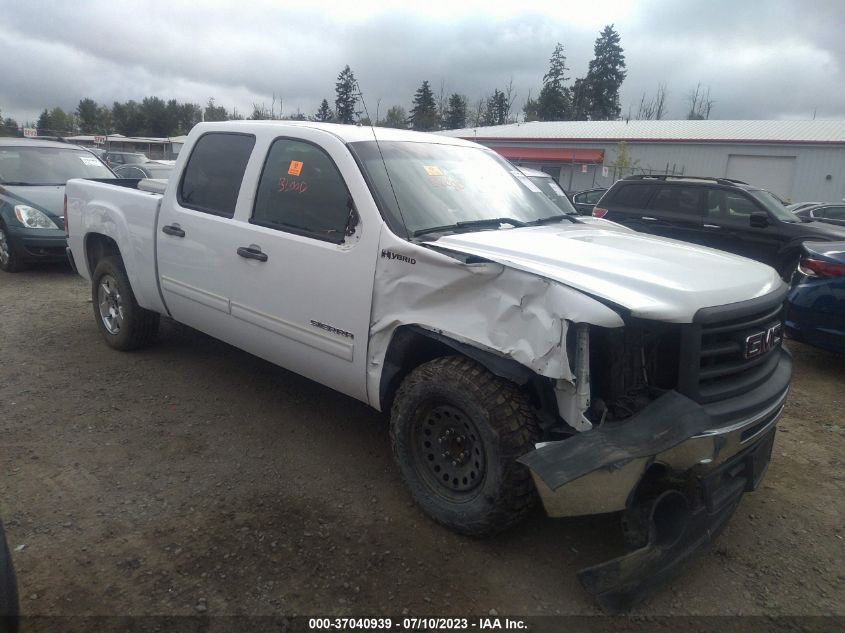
[{"x": 194, "y": 478}]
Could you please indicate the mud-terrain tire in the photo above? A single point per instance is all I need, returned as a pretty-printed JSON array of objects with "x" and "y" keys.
[
  {"x": 456, "y": 431},
  {"x": 124, "y": 324}
]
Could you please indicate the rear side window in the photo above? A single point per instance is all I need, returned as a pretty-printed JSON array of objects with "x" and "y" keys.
[
  {"x": 301, "y": 191},
  {"x": 685, "y": 200},
  {"x": 632, "y": 195},
  {"x": 214, "y": 173},
  {"x": 834, "y": 213}
]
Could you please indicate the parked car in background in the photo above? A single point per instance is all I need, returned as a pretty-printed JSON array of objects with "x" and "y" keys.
[
  {"x": 584, "y": 201},
  {"x": 795, "y": 208},
  {"x": 725, "y": 214},
  {"x": 815, "y": 309},
  {"x": 151, "y": 169},
  {"x": 830, "y": 212},
  {"x": 98, "y": 152},
  {"x": 33, "y": 174},
  {"x": 115, "y": 159},
  {"x": 549, "y": 187}
]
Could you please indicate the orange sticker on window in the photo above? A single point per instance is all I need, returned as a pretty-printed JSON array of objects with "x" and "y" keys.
[
  {"x": 432, "y": 170},
  {"x": 295, "y": 168}
]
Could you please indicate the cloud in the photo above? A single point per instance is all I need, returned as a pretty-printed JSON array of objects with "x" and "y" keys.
[{"x": 778, "y": 60}]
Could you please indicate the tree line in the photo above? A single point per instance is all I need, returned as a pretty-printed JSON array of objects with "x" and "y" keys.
[{"x": 595, "y": 96}]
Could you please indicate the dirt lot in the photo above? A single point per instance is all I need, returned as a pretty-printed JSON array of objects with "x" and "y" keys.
[{"x": 194, "y": 478}]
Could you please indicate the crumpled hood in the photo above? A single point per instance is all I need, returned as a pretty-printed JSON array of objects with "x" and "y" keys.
[
  {"x": 654, "y": 277},
  {"x": 47, "y": 198}
]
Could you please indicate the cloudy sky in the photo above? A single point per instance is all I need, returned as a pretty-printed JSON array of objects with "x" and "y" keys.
[{"x": 762, "y": 59}]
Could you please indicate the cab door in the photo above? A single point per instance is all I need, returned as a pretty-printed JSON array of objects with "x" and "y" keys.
[
  {"x": 729, "y": 227},
  {"x": 194, "y": 233},
  {"x": 304, "y": 261}
]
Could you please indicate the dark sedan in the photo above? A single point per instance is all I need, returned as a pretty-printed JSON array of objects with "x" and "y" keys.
[
  {"x": 815, "y": 309},
  {"x": 584, "y": 201},
  {"x": 33, "y": 174},
  {"x": 830, "y": 212}
]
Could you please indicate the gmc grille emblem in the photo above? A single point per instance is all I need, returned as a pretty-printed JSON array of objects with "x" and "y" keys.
[{"x": 762, "y": 342}]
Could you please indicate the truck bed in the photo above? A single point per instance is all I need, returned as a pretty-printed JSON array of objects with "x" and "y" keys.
[{"x": 122, "y": 210}]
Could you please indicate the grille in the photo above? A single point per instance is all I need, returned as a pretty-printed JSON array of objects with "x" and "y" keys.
[{"x": 731, "y": 349}]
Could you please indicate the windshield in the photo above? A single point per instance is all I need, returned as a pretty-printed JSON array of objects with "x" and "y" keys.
[
  {"x": 442, "y": 185},
  {"x": 48, "y": 165},
  {"x": 773, "y": 206},
  {"x": 553, "y": 192}
]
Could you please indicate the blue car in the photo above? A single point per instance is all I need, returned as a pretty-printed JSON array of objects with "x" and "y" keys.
[
  {"x": 815, "y": 309},
  {"x": 33, "y": 174}
]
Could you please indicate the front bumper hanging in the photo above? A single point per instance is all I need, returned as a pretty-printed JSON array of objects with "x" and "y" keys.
[{"x": 706, "y": 459}]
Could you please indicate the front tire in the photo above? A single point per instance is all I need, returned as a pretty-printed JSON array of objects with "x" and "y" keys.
[
  {"x": 124, "y": 324},
  {"x": 457, "y": 431},
  {"x": 9, "y": 261}
]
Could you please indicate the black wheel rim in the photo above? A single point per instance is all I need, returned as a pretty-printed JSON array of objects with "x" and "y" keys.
[{"x": 448, "y": 451}]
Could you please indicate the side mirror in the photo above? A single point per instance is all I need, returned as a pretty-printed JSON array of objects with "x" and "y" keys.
[{"x": 759, "y": 219}]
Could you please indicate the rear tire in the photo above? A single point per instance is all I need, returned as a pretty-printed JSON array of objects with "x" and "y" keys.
[
  {"x": 457, "y": 431},
  {"x": 124, "y": 324}
]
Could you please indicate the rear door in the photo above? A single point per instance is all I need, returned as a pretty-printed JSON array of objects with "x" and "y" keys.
[
  {"x": 627, "y": 204},
  {"x": 676, "y": 211},
  {"x": 195, "y": 238}
]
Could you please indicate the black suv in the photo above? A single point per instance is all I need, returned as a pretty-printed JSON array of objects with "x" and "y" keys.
[{"x": 718, "y": 212}]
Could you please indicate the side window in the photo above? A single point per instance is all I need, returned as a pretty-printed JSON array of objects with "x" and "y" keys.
[
  {"x": 835, "y": 213},
  {"x": 715, "y": 202},
  {"x": 633, "y": 195},
  {"x": 686, "y": 200},
  {"x": 301, "y": 191},
  {"x": 739, "y": 206},
  {"x": 214, "y": 172},
  {"x": 592, "y": 197}
]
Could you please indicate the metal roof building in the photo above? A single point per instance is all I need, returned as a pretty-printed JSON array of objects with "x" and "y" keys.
[{"x": 798, "y": 160}]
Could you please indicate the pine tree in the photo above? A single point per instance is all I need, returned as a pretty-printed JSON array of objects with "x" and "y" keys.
[
  {"x": 554, "y": 102},
  {"x": 347, "y": 97},
  {"x": 456, "y": 112},
  {"x": 605, "y": 76},
  {"x": 87, "y": 112},
  {"x": 497, "y": 109},
  {"x": 325, "y": 113},
  {"x": 424, "y": 113}
]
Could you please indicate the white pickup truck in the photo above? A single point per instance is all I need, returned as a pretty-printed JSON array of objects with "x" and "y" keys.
[{"x": 521, "y": 352}]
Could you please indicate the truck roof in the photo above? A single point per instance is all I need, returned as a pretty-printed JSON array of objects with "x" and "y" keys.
[{"x": 346, "y": 133}]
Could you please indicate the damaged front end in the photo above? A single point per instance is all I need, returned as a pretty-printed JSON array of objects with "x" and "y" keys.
[{"x": 681, "y": 423}]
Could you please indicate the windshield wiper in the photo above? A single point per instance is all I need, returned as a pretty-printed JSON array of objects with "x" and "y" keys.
[
  {"x": 572, "y": 217},
  {"x": 466, "y": 224}
]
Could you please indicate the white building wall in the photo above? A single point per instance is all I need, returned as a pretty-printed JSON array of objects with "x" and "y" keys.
[{"x": 813, "y": 163}]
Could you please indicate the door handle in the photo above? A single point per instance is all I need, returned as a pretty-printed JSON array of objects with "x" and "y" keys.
[
  {"x": 649, "y": 218},
  {"x": 173, "y": 229},
  {"x": 714, "y": 227},
  {"x": 252, "y": 252}
]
